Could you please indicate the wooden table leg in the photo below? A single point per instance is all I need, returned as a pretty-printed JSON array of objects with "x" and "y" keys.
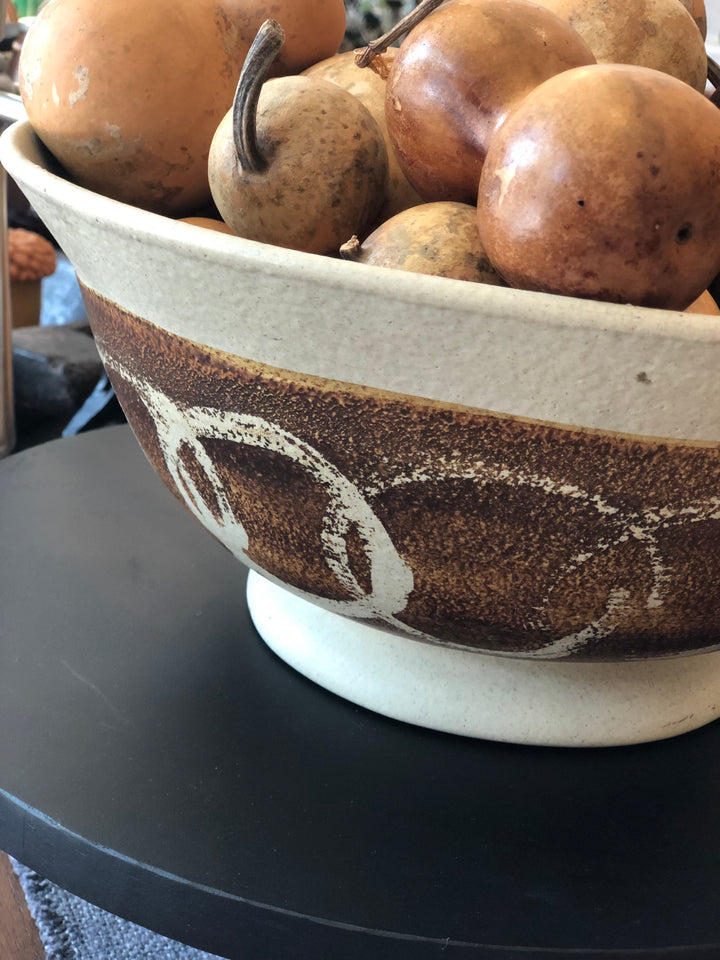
[{"x": 19, "y": 938}]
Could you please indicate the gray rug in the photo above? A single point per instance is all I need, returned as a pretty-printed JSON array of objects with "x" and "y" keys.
[{"x": 72, "y": 929}]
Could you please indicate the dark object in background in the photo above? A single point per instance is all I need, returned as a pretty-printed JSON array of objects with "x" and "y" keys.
[
  {"x": 21, "y": 214},
  {"x": 56, "y": 372},
  {"x": 369, "y": 19}
]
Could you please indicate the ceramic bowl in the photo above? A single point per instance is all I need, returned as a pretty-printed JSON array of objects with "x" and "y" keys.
[{"x": 484, "y": 510}]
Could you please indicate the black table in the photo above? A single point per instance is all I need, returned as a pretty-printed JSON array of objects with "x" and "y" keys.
[{"x": 158, "y": 760}]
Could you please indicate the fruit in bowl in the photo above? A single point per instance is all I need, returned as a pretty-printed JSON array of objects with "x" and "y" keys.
[
  {"x": 268, "y": 184},
  {"x": 604, "y": 183},
  {"x": 486, "y": 510},
  {"x": 127, "y": 96}
]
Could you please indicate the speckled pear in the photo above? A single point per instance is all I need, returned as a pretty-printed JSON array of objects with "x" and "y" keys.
[{"x": 297, "y": 162}]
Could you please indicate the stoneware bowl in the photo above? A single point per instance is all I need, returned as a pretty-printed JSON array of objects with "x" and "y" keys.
[{"x": 482, "y": 510}]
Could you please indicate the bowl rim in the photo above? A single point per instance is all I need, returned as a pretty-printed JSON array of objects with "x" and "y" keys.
[{"x": 27, "y": 160}]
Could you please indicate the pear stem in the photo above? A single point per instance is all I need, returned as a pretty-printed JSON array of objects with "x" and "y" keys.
[
  {"x": 351, "y": 249},
  {"x": 258, "y": 63},
  {"x": 377, "y": 47}
]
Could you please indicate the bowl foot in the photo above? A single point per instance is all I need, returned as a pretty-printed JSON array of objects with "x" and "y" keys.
[{"x": 544, "y": 702}]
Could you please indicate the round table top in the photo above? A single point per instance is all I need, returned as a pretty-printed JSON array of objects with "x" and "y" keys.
[{"x": 158, "y": 760}]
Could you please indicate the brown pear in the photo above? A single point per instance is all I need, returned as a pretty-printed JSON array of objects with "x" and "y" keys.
[
  {"x": 649, "y": 33},
  {"x": 605, "y": 183},
  {"x": 697, "y": 10},
  {"x": 439, "y": 238},
  {"x": 298, "y": 162},
  {"x": 458, "y": 74},
  {"x": 369, "y": 87}
]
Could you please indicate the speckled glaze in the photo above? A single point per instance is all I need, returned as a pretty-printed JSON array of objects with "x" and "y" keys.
[
  {"x": 490, "y": 472},
  {"x": 459, "y": 525}
]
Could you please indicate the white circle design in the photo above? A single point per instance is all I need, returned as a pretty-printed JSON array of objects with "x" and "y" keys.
[{"x": 181, "y": 427}]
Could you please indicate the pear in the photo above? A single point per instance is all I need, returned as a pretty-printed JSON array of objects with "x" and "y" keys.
[
  {"x": 648, "y": 33},
  {"x": 605, "y": 183},
  {"x": 440, "y": 239},
  {"x": 297, "y": 162},
  {"x": 369, "y": 87}
]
